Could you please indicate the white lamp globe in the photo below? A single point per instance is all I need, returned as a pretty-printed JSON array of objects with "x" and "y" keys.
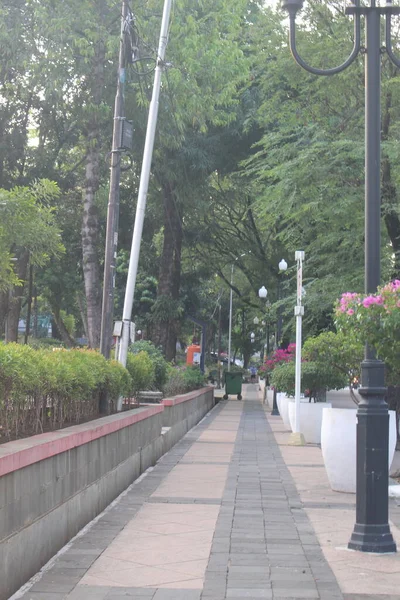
[
  {"x": 282, "y": 265},
  {"x": 256, "y": 320},
  {"x": 262, "y": 292}
]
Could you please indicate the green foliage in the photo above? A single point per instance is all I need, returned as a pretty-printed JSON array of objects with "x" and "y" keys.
[
  {"x": 183, "y": 379},
  {"x": 374, "y": 319},
  {"x": 315, "y": 378},
  {"x": 166, "y": 309},
  {"x": 27, "y": 223},
  {"x": 141, "y": 370},
  {"x": 193, "y": 378},
  {"x": 342, "y": 352},
  {"x": 45, "y": 389},
  {"x": 157, "y": 359}
]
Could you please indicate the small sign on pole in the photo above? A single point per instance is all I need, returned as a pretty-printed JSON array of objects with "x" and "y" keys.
[{"x": 132, "y": 332}]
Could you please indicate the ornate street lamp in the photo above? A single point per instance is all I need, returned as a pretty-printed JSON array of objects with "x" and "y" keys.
[
  {"x": 371, "y": 532},
  {"x": 263, "y": 293},
  {"x": 282, "y": 268}
]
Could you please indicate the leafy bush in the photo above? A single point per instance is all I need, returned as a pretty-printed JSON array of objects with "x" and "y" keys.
[
  {"x": 141, "y": 370},
  {"x": 175, "y": 384},
  {"x": 183, "y": 379},
  {"x": 343, "y": 353},
  {"x": 44, "y": 389},
  {"x": 193, "y": 378},
  {"x": 157, "y": 358},
  {"x": 374, "y": 319},
  {"x": 45, "y": 343},
  {"x": 314, "y": 379}
]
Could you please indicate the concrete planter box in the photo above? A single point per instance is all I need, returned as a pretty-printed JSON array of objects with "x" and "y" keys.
[
  {"x": 338, "y": 444},
  {"x": 53, "y": 484},
  {"x": 310, "y": 419}
]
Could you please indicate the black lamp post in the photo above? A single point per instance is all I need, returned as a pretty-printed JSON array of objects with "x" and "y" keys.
[{"x": 371, "y": 532}]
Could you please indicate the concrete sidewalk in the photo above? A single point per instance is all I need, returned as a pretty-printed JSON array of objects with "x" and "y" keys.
[{"x": 231, "y": 511}]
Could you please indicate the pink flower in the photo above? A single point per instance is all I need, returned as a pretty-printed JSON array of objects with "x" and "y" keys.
[{"x": 350, "y": 311}]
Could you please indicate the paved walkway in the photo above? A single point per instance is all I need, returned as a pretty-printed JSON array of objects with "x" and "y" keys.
[{"x": 220, "y": 516}]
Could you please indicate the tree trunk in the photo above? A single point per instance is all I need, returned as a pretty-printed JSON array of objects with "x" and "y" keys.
[
  {"x": 64, "y": 333},
  {"x": 166, "y": 331},
  {"x": 90, "y": 221},
  {"x": 15, "y": 299},
  {"x": 4, "y": 303},
  {"x": 83, "y": 314}
]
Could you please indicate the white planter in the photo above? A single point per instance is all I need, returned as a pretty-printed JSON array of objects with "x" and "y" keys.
[
  {"x": 283, "y": 407},
  {"x": 338, "y": 444},
  {"x": 310, "y": 419}
]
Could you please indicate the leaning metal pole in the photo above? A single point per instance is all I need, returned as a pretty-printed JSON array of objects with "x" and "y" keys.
[
  {"x": 143, "y": 187},
  {"x": 371, "y": 531}
]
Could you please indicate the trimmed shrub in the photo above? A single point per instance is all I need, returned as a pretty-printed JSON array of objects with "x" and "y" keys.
[
  {"x": 183, "y": 379},
  {"x": 193, "y": 378},
  {"x": 141, "y": 370},
  {"x": 314, "y": 379},
  {"x": 159, "y": 363},
  {"x": 43, "y": 389}
]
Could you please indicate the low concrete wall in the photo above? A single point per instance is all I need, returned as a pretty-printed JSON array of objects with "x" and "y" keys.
[
  {"x": 53, "y": 484},
  {"x": 181, "y": 413}
]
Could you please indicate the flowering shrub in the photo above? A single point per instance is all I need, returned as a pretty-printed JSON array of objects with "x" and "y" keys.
[
  {"x": 374, "y": 319},
  {"x": 279, "y": 357}
]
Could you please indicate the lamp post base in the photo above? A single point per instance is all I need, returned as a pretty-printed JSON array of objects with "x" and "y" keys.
[
  {"x": 371, "y": 531},
  {"x": 296, "y": 439},
  {"x": 372, "y": 538},
  {"x": 275, "y": 410}
]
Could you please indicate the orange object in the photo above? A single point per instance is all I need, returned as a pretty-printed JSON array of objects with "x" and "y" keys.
[{"x": 191, "y": 351}]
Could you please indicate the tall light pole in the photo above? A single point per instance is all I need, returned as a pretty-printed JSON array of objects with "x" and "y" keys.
[
  {"x": 263, "y": 293},
  {"x": 371, "y": 532},
  {"x": 297, "y": 438},
  {"x": 230, "y": 312},
  {"x": 143, "y": 186},
  {"x": 282, "y": 268}
]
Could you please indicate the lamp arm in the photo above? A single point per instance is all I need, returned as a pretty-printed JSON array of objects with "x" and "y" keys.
[
  {"x": 388, "y": 41},
  {"x": 334, "y": 70}
]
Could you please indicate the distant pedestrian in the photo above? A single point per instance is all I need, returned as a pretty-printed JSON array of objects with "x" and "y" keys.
[{"x": 253, "y": 373}]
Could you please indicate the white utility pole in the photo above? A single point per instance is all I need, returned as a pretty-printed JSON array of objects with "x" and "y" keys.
[
  {"x": 143, "y": 187},
  {"x": 297, "y": 438}
]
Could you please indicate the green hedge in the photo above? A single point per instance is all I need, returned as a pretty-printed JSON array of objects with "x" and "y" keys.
[
  {"x": 160, "y": 365},
  {"x": 314, "y": 378},
  {"x": 46, "y": 389},
  {"x": 141, "y": 370},
  {"x": 183, "y": 379}
]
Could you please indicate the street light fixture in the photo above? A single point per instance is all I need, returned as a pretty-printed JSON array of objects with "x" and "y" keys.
[
  {"x": 283, "y": 265},
  {"x": 263, "y": 292},
  {"x": 282, "y": 268},
  {"x": 256, "y": 320},
  {"x": 252, "y": 337},
  {"x": 230, "y": 312},
  {"x": 371, "y": 532}
]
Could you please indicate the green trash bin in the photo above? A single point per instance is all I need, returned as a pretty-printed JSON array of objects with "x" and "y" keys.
[{"x": 233, "y": 384}]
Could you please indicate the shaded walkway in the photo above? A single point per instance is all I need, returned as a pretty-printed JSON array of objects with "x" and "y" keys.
[{"x": 218, "y": 517}]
